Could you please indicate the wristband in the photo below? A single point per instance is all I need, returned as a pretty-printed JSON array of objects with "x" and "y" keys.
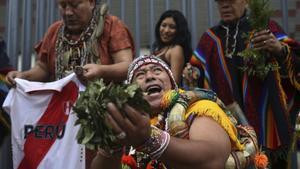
[{"x": 156, "y": 145}]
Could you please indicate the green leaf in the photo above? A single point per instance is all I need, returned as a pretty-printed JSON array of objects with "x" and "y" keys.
[
  {"x": 91, "y": 110},
  {"x": 88, "y": 135},
  {"x": 255, "y": 62}
]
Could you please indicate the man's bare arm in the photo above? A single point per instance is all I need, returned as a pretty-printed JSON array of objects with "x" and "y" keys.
[
  {"x": 39, "y": 73},
  {"x": 113, "y": 72},
  {"x": 209, "y": 147}
]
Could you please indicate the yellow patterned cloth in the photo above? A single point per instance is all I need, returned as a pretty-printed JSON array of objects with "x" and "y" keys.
[
  {"x": 211, "y": 109},
  {"x": 2, "y": 77}
]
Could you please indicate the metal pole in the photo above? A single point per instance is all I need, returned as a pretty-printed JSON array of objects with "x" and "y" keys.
[
  {"x": 285, "y": 22},
  {"x": 51, "y": 12},
  {"x": 47, "y": 12},
  {"x": 57, "y": 13},
  {"x": 123, "y": 10},
  {"x": 193, "y": 22},
  {"x": 26, "y": 34},
  {"x": 108, "y": 3},
  {"x": 210, "y": 13},
  {"x": 12, "y": 32},
  {"x": 151, "y": 23},
  {"x": 40, "y": 20},
  {"x": 167, "y": 4},
  {"x": 137, "y": 27},
  {"x": 183, "y": 7},
  {"x": 6, "y": 20}
]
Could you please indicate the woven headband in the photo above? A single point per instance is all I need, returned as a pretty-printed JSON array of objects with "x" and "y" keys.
[{"x": 144, "y": 60}]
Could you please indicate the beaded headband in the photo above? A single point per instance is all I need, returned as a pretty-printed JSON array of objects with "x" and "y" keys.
[{"x": 144, "y": 60}]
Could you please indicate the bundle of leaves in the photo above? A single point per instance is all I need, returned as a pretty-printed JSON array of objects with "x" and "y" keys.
[
  {"x": 91, "y": 110},
  {"x": 256, "y": 61}
]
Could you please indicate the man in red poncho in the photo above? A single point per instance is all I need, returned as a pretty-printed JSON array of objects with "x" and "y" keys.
[{"x": 269, "y": 103}]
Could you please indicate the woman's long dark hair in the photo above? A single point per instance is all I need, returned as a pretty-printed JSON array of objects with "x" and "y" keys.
[{"x": 182, "y": 36}]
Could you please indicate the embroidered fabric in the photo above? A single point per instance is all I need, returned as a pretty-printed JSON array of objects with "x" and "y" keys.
[{"x": 171, "y": 121}]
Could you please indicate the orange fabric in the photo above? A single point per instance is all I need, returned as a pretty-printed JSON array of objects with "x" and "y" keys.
[{"x": 115, "y": 37}]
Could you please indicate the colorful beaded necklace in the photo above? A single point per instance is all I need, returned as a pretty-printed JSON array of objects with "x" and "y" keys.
[{"x": 70, "y": 53}]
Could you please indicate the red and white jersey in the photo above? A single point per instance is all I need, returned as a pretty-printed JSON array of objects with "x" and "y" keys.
[{"x": 43, "y": 130}]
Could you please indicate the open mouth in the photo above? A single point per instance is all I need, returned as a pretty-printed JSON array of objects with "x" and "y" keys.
[
  {"x": 153, "y": 89},
  {"x": 166, "y": 36}
]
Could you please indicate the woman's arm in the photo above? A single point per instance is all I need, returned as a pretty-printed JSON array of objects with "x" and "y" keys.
[{"x": 175, "y": 56}]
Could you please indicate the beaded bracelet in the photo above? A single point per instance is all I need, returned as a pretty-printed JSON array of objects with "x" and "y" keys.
[{"x": 156, "y": 145}]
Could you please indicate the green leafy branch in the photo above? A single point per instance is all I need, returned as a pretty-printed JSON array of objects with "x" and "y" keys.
[
  {"x": 260, "y": 13},
  {"x": 255, "y": 61},
  {"x": 91, "y": 110}
]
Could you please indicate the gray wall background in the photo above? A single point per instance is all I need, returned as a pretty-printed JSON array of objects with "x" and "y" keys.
[{"x": 26, "y": 21}]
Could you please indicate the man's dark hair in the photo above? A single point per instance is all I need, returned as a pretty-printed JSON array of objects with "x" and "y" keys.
[{"x": 182, "y": 36}]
